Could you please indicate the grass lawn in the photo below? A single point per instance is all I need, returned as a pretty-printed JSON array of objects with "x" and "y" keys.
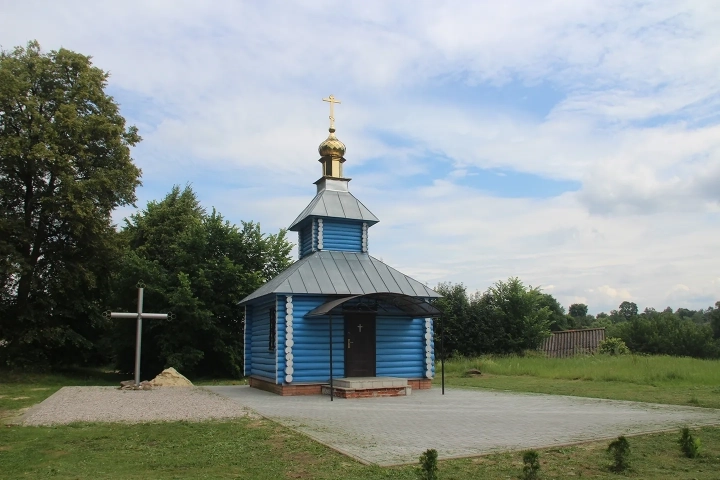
[
  {"x": 259, "y": 449},
  {"x": 659, "y": 379}
]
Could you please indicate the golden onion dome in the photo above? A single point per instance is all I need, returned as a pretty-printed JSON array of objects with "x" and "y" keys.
[{"x": 332, "y": 147}]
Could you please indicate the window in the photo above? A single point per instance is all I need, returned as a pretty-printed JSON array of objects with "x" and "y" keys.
[{"x": 272, "y": 335}]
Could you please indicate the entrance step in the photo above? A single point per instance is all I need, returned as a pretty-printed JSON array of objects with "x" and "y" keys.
[
  {"x": 368, "y": 387},
  {"x": 370, "y": 382}
]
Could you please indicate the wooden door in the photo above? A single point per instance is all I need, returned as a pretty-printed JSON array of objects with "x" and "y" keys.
[{"x": 359, "y": 345}]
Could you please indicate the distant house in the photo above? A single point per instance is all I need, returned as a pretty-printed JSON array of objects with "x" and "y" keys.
[
  {"x": 338, "y": 312},
  {"x": 573, "y": 342}
]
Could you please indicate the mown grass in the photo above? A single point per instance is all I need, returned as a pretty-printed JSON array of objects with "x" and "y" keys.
[
  {"x": 261, "y": 449},
  {"x": 659, "y": 379}
]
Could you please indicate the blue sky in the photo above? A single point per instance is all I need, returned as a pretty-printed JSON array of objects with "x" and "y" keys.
[{"x": 572, "y": 143}]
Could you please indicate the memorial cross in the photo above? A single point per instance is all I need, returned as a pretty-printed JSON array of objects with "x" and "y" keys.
[{"x": 138, "y": 335}]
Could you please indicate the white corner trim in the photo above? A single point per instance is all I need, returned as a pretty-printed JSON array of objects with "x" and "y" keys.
[
  {"x": 320, "y": 234},
  {"x": 364, "y": 237},
  {"x": 289, "y": 342},
  {"x": 429, "y": 367}
]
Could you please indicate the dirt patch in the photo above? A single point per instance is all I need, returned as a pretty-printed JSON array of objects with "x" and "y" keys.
[
  {"x": 56, "y": 453},
  {"x": 170, "y": 378},
  {"x": 10, "y": 417},
  {"x": 19, "y": 398},
  {"x": 39, "y": 388},
  {"x": 299, "y": 474},
  {"x": 303, "y": 462}
]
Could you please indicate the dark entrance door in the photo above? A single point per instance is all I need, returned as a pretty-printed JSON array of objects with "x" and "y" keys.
[{"x": 359, "y": 345}]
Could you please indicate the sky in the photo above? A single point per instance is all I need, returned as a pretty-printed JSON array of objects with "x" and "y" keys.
[{"x": 573, "y": 144}]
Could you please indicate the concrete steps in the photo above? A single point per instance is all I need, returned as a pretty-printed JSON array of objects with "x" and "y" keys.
[{"x": 368, "y": 387}]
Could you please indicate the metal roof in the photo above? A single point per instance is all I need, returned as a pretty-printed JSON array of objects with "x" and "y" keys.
[
  {"x": 567, "y": 343},
  {"x": 405, "y": 305},
  {"x": 337, "y": 204},
  {"x": 341, "y": 273}
]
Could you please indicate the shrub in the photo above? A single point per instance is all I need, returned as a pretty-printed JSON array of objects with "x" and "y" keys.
[
  {"x": 613, "y": 346},
  {"x": 428, "y": 465},
  {"x": 620, "y": 451},
  {"x": 689, "y": 445},
  {"x": 531, "y": 465}
]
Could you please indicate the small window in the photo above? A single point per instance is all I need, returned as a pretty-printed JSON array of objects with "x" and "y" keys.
[{"x": 272, "y": 335}]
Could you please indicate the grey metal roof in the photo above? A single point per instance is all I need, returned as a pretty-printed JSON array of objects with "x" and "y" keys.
[
  {"x": 404, "y": 305},
  {"x": 341, "y": 273},
  {"x": 332, "y": 203}
]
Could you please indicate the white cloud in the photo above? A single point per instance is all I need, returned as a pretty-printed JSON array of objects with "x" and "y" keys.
[{"x": 228, "y": 97}]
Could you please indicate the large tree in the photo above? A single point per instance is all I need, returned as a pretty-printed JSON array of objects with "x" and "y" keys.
[
  {"x": 64, "y": 166},
  {"x": 507, "y": 318},
  {"x": 198, "y": 266},
  {"x": 520, "y": 312},
  {"x": 578, "y": 310}
]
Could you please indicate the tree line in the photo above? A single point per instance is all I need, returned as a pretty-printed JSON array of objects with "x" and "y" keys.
[
  {"x": 683, "y": 332},
  {"x": 511, "y": 318}
]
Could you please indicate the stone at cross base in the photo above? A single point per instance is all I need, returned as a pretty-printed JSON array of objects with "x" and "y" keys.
[{"x": 130, "y": 385}]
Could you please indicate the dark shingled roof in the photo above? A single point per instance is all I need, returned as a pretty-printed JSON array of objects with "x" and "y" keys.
[{"x": 341, "y": 273}]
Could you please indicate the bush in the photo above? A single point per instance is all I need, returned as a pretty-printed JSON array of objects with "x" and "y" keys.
[
  {"x": 428, "y": 465},
  {"x": 613, "y": 346},
  {"x": 531, "y": 465},
  {"x": 689, "y": 445},
  {"x": 620, "y": 451}
]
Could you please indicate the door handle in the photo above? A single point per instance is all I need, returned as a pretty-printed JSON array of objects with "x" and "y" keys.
[{"x": 349, "y": 342}]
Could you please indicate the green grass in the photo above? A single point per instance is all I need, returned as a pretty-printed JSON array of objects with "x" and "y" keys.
[
  {"x": 261, "y": 449},
  {"x": 659, "y": 379}
]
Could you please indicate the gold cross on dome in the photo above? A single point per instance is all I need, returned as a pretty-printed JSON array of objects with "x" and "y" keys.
[{"x": 331, "y": 99}]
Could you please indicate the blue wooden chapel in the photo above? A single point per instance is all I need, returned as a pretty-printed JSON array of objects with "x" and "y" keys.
[{"x": 338, "y": 308}]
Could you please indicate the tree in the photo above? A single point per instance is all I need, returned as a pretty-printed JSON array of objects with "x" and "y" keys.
[
  {"x": 517, "y": 310},
  {"x": 507, "y": 318},
  {"x": 714, "y": 316},
  {"x": 64, "y": 166},
  {"x": 628, "y": 310},
  {"x": 578, "y": 310},
  {"x": 558, "y": 319},
  {"x": 460, "y": 331},
  {"x": 198, "y": 266}
]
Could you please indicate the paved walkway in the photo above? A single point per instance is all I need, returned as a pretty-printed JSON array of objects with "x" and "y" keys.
[{"x": 389, "y": 431}]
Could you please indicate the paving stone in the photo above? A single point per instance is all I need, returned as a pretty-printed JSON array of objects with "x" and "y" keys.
[{"x": 397, "y": 430}]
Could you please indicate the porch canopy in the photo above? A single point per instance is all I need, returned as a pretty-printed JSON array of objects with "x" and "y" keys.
[{"x": 400, "y": 305}]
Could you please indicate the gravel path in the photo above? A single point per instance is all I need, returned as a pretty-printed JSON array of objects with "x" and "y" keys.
[{"x": 109, "y": 404}]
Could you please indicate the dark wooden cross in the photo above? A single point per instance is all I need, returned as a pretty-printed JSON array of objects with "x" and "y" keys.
[
  {"x": 138, "y": 335},
  {"x": 360, "y": 328}
]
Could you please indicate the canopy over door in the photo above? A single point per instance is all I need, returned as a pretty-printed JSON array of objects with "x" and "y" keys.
[{"x": 380, "y": 303}]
